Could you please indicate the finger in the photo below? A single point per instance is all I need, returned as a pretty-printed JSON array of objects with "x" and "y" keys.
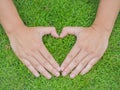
[
  {"x": 75, "y": 50},
  {"x": 39, "y": 67},
  {"x": 54, "y": 33},
  {"x": 43, "y": 71},
  {"x": 46, "y": 64},
  {"x": 30, "y": 67},
  {"x": 48, "y": 30},
  {"x": 81, "y": 66},
  {"x": 70, "y": 30},
  {"x": 75, "y": 62},
  {"x": 49, "y": 57},
  {"x": 89, "y": 65}
]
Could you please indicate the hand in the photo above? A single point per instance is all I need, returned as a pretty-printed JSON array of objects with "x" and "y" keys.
[
  {"x": 89, "y": 48},
  {"x": 28, "y": 46}
]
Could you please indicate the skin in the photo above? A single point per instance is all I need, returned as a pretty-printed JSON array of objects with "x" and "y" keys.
[
  {"x": 27, "y": 43},
  {"x": 90, "y": 46},
  {"x": 92, "y": 41}
]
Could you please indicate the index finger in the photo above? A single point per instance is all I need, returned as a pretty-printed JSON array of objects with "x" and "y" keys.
[
  {"x": 75, "y": 50},
  {"x": 49, "y": 57}
]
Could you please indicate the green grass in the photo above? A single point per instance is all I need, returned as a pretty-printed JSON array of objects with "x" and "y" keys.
[{"x": 105, "y": 75}]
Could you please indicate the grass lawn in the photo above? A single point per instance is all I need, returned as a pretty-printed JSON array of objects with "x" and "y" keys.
[{"x": 105, "y": 75}]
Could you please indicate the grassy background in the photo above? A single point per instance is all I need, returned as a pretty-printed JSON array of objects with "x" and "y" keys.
[{"x": 105, "y": 75}]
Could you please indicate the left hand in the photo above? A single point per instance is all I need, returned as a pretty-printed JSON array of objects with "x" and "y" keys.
[
  {"x": 90, "y": 46},
  {"x": 27, "y": 44}
]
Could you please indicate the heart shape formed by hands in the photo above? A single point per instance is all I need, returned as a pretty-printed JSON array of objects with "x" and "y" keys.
[{"x": 89, "y": 47}]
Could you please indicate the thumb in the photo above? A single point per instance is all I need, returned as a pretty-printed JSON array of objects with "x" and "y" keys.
[
  {"x": 70, "y": 30},
  {"x": 48, "y": 30}
]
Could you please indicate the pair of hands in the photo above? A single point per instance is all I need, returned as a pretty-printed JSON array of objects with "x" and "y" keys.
[{"x": 90, "y": 46}]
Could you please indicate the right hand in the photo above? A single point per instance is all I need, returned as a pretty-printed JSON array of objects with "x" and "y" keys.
[
  {"x": 90, "y": 46},
  {"x": 27, "y": 44}
]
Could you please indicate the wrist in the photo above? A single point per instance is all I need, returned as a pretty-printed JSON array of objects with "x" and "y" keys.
[
  {"x": 13, "y": 28},
  {"x": 101, "y": 28}
]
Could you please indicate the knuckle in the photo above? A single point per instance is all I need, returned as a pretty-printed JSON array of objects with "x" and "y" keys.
[
  {"x": 42, "y": 71},
  {"x": 36, "y": 65},
  {"x": 53, "y": 29},
  {"x": 41, "y": 46},
  {"x": 93, "y": 52},
  {"x": 89, "y": 50},
  {"x": 70, "y": 56},
  {"x": 21, "y": 56},
  {"x": 33, "y": 49},
  {"x": 78, "y": 45},
  {"x": 28, "y": 64},
  {"x": 98, "y": 55},
  {"x": 27, "y": 53},
  {"x": 86, "y": 49},
  {"x": 51, "y": 69},
  {"x": 36, "y": 45},
  {"x": 65, "y": 28},
  {"x": 75, "y": 62},
  {"x": 91, "y": 64},
  {"x": 82, "y": 63},
  {"x": 67, "y": 69},
  {"x": 48, "y": 56},
  {"x": 77, "y": 70},
  {"x": 45, "y": 64},
  {"x": 65, "y": 64},
  {"x": 53, "y": 63}
]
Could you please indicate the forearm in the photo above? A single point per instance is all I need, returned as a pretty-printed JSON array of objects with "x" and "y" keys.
[
  {"x": 107, "y": 14},
  {"x": 9, "y": 17}
]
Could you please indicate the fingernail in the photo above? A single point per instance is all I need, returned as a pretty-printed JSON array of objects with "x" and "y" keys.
[
  {"x": 61, "y": 36},
  {"x": 72, "y": 75},
  {"x": 62, "y": 68},
  {"x": 49, "y": 77},
  {"x": 82, "y": 73},
  {"x": 57, "y": 74},
  {"x": 64, "y": 74},
  {"x": 37, "y": 75},
  {"x": 58, "y": 69},
  {"x": 57, "y": 36}
]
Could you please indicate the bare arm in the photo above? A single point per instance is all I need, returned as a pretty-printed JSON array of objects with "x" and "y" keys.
[
  {"x": 92, "y": 41},
  {"x": 107, "y": 14},
  {"x": 27, "y": 42},
  {"x": 9, "y": 17}
]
